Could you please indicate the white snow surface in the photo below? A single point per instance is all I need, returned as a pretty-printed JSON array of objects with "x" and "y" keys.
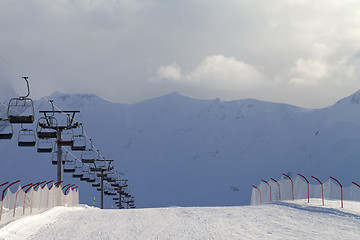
[{"x": 271, "y": 221}]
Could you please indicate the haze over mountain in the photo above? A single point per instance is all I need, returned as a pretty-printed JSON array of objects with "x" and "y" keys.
[{"x": 177, "y": 150}]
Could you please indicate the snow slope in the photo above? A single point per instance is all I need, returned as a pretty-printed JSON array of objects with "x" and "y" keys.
[
  {"x": 180, "y": 151},
  {"x": 272, "y": 221}
]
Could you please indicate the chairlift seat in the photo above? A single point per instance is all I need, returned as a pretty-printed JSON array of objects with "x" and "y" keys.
[
  {"x": 98, "y": 189},
  {"x": 95, "y": 169},
  {"x": 88, "y": 160},
  {"x": 6, "y": 135},
  {"x": 47, "y": 135},
  {"x": 21, "y": 119},
  {"x": 55, "y": 162},
  {"x": 96, "y": 185},
  {"x": 44, "y": 150},
  {"x": 69, "y": 170},
  {"x": 84, "y": 179},
  {"x": 91, "y": 180},
  {"x": 78, "y": 175},
  {"x": 78, "y": 148},
  {"x": 26, "y": 144}
]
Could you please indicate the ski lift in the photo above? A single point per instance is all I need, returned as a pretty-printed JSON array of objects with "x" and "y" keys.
[
  {"x": 6, "y": 129},
  {"x": 46, "y": 127},
  {"x": 18, "y": 106},
  {"x": 26, "y": 138},
  {"x": 91, "y": 177},
  {"x": 54, "y": 158},
  {"x": 88, "y": 156},
  {"x": 44, "y": 145},
  {"x": 78, "y": 175},
  {"x": 69, "y": 167},
  {"x": 79, "y": 141},
  {"x": 95, "y": 184},
  {"x": 84, "y": 179},
  {"x": 68, "y": 134}
]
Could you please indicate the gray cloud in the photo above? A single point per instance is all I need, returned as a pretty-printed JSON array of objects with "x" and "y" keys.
[{"x": 271, "y": 50}]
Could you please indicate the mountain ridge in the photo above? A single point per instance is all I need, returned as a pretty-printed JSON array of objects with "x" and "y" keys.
[{"x": 176, "y": 150}]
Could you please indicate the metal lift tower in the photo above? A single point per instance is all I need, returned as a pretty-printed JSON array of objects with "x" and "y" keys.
[{"x": 59, "y": 132}]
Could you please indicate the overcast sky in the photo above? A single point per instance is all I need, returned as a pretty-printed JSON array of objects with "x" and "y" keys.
[{"x": 300, "y": 52}]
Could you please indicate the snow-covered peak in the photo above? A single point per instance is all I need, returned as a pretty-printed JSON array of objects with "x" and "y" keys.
[
  {"x": 75, "y": 100},
  {"x": 353, "y": 99}
]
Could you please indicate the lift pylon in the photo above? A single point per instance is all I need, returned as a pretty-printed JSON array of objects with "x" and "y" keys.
[{"x": 69, "y": 124}]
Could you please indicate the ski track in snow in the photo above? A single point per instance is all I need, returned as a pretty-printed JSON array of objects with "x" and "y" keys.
[{"x": 271, "y": 221}]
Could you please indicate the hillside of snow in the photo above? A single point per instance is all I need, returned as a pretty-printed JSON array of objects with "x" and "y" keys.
[
  {"x": 271, "y": 221},
  {"x": 180, "y": 151}
]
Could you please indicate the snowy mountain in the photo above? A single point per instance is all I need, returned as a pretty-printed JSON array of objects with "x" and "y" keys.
[{"x": 181, "y": 151}]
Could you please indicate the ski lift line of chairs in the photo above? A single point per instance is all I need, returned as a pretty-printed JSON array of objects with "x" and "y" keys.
[
  {"x": 17, "y": 107},
  {"x": 6, "y": 128}
]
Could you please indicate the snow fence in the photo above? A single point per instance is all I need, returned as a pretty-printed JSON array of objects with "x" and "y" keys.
[
  {"x": 27, "y": 200},
  {"x": 299, "y": 187}
]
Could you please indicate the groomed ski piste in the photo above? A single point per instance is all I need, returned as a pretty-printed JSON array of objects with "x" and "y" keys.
[{"x": 280, "y": 220}]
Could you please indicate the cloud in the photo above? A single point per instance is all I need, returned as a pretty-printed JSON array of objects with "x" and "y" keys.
[
  {"x": 308, "y": 72},
  {"x": 214, "y": 72},
  {"x": 274, "y": 50},
  {"x": 169, "y": 72}
]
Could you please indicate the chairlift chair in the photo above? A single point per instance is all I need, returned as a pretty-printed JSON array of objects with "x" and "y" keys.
[
  {"x": 44, "y": 145},
  {"x": 6, "y": 129},
  {"x": 91, "y": 180},
  {"x": 67, "y": 135},
  {"x": 69, "y": 167},
  {"x": 18, "y": 106},
  {"x": 78, "y": 175},
  {"x": 16, "y": 109},
  {"x": 46, "y": 127},
  {"x": 54, "y": 158},
  {"x": 84, "y": 179},
  {"x": 79, "y": 143},
  {"x": 88, "y": 156},
  {"x": 95, "y": 184},
  {"x": 79, "y": 140},
  {"x": 26, "y": 138}
]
